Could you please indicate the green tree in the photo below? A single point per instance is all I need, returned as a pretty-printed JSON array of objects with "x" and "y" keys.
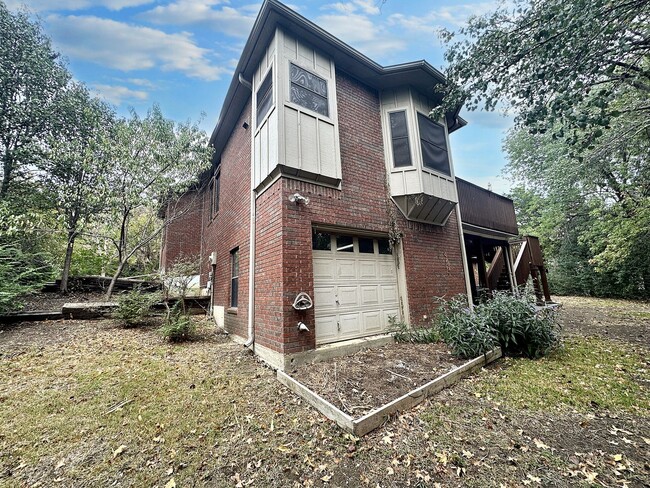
[
  {"x": 576, "y": 75},
  {"x": 32, "y": 83},
  {"x": 153, "y": 160},
  {"x": 541, "y": 58},
  {"x": 77, "y": 166}
]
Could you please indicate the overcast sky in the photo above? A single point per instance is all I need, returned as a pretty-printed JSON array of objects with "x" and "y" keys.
[{"x": 181, "y": 54}]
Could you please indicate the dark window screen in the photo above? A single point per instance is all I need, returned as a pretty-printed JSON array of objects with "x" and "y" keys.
[
  {"x": 234, "y": 280},
  {"x": 400, "y": 139},
  {"x": 265, "y": 97},
  {"x": 434, "y": 145},
  {"x": 216, "y": 188}
]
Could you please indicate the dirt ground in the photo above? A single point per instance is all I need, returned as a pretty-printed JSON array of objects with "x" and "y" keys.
[
  {"x": 620, "y": 320},
  {"x": 371, "y": 378},
  {"x": 207, "y": 413}
]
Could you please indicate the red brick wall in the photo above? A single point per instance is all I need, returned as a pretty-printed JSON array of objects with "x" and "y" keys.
[
  {"x": 269, "y": 269},
  {"x": 182, "y": 236},
  {"x": 283, "y": 235},
  {"x": 433, "y": 264},
  {"x": 229, "y": 228}
]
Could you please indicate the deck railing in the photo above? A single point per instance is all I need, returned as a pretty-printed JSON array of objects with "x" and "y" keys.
[
  {"x": 530, "y": 262},
  {"x": 484, "y": 208}
]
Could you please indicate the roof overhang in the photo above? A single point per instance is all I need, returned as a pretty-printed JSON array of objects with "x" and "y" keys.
[{"x": 418, "y": 74}]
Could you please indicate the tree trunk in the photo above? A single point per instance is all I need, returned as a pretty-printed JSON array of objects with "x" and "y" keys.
[
  {"x": 63, "y": 288},
  {"x": 117, "y": 274},
  {"x": 7, "y": 175}
]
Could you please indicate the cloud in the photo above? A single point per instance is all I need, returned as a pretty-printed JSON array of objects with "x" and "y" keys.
[
  {"x": 358, "y": 30},
  {"x": 225, "y": 19},
  {"x": 450, "y": 16},
  {"x": 141, "y": 82},
  {"x": 368, "y": 7},
  {"x": 50, "y": 6},
  {"x": 118, "y": 94},
  {"x": 127, "y": 48}
]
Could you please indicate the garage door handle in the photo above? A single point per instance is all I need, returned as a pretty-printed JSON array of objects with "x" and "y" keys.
[
  {"x": 338, "y": 326},
  {"x": 337, "y": 301}
]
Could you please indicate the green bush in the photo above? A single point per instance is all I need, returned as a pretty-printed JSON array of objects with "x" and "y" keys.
[
  {"x": 466, "y": 333},
  {"x": 134, "y": 307},
  {"x": 20, "y": 273},
  {"x": 414, "y": 335},
  {"x": 510, "y": 321},
  {"x": 519, "y": 328},
  {"x": 177, "y": 326}
]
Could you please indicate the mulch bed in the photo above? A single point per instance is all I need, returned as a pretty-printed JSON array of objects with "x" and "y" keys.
[{"x": 370, "y": 378}]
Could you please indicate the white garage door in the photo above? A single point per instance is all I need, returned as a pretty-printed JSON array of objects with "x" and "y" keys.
[{"x": 355, "y": 286}]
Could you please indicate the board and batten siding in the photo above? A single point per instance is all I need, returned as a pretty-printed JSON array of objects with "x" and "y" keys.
[
  {"x": 302, "y": 143},
  {"x": 265, "y": 141}
]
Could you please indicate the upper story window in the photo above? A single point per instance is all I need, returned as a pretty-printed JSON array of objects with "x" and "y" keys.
[
  {"x": 265, "y": 97},
  {"x": 434, "y": 145},
  {"x": 308, "y": 90},
  {"x": 399, "y": 135},
  {"x": 234, "y": 277},
  {"x": 216, "y": 189}
]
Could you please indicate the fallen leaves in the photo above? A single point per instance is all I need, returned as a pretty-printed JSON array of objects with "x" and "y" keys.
[
  {"x": 540, "y": 445},
  {"x": 119, "y": 451}
]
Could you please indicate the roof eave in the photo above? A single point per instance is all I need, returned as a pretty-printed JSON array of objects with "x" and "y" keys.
[{"x": 274, "y": 13}]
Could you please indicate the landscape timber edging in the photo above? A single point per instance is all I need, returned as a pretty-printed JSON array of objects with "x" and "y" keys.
[
  {"x": 376, "y": 418},
  {"x": 33, "y": 316}
]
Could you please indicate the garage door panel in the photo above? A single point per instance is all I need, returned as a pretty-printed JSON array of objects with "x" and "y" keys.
[
  {"x": 350, "y": 324},
  {"x": 327, "y": 327},
  {"x": 367, "y": 270},
  {"x": 346, "y": 269},
  {"x": 387, "y": 270},
  {"x": 388, "y": 294},
  {"x": 348, "y": 296},
  {"x": 323, "y": 268},
  {"x": 325, "y": 297},
  {"x": 372, "y": 322},
  {"x": 369, "y": 295}
]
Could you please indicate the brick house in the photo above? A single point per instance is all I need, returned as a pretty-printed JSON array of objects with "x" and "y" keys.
[{"x": 330, "y": 186}]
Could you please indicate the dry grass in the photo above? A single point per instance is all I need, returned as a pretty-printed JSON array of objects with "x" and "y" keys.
[{"x": 206, "y": 413}]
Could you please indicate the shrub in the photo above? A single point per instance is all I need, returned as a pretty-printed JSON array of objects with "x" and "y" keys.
[
  {"x": 20, "y": 273},
  {"x": 509, "y": 321},
  {"x": 466, "y": 333},
  {"x": 133, "y": 307},
  {"x": 519, "y": 328},
  {"x": 417, "y": 335},
  {"x": 177, "y": 326}
]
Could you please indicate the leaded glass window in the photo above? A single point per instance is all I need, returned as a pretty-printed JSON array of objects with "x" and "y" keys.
[{"x": 308, "y": 90}]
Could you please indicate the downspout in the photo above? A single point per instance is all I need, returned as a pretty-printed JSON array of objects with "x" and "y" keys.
[
  {"x": 251, "y": 270},
  {"x": 251, "y": 239}
]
